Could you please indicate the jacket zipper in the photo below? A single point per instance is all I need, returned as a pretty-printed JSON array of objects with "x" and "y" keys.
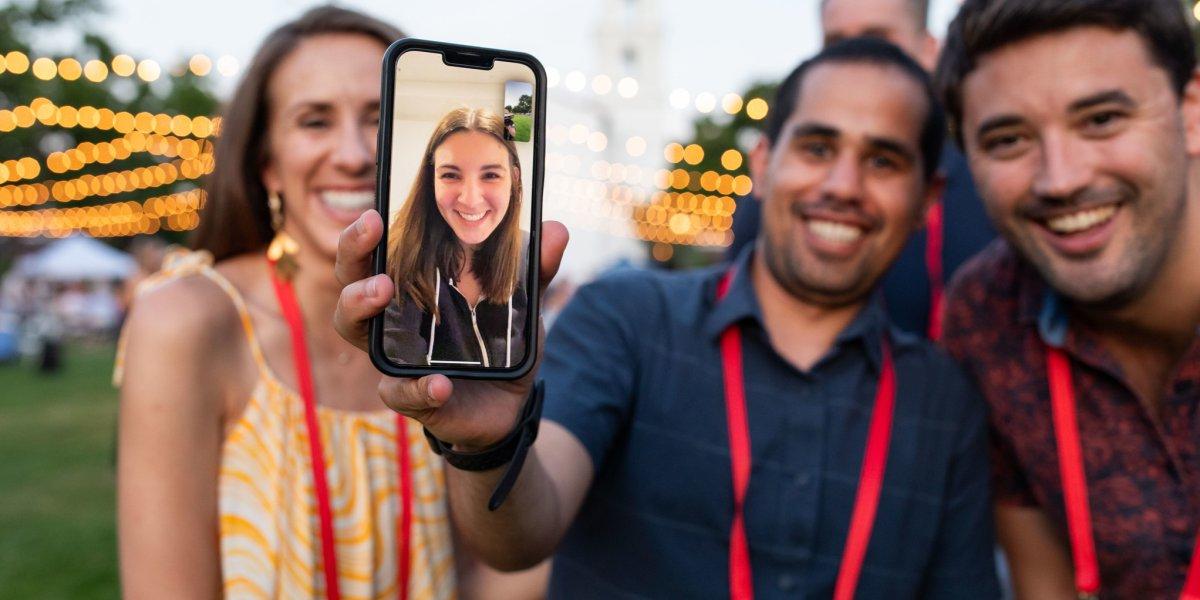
[
  {"x": 479, "y": 338},
  {"x": 474, "y": 325}
]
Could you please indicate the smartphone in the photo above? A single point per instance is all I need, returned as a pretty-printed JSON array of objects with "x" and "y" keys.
[{"x": 459, "y": 186}]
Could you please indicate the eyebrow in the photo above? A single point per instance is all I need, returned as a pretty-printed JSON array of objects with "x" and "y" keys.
[
  {"x": 879, "y": 143},
  {"x": 1105, "y": 97},
  {"x": 818, "y": 129},
  {"x": 321, "y": 106},
  {"x": 997, "y": 122},
  {"x": 1097, "y": 99},
  {"x": 483, "y": 168}
]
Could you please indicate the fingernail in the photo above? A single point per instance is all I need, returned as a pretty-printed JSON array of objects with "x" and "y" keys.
[
  {"x": 372, "y": 286},
  {"x": 429, "y": 389},
  {"x": 360, "y": 225}
]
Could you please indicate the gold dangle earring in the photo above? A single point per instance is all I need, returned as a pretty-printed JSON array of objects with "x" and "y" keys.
[{"x": 283, "y": 249}]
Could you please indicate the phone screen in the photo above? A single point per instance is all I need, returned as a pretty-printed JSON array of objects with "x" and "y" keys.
[{"x": 459, "y": 215}]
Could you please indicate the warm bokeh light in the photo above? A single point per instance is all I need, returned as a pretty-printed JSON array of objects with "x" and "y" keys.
[
  {"x": 200, "y": 65},
  {"x": 70, "y": 69},
  {"x": 635, "y": 146},
  {"x": 693, "y": 154},
  {"x": 597, "y": 141},
  {"x": 95, "y": 71},
  {"x": 731, "y": 103},
  {"x": 627, "y": 87},
  {"x": 731, "y": 160},
  {"x": 756, "y": 109},
  {"x": 16, "y": 62},
  {"x": 742, "y": 185},
  {"x": 228, "y": 66},
  {"x": 673, "y": 152},
  {"x": 44, "y": 69},
  {"x": 602, "y": 84},
  {"x": 705, "y": 102},
  {"x": 148, "y": 70},
  {"x": 123, "y": 65},
  {"x": 662, "y": 252}
]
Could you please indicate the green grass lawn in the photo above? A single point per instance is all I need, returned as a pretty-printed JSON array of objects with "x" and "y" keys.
[
  {"x": 57, "y": 527},
  {"x": 522, "y": 123}
]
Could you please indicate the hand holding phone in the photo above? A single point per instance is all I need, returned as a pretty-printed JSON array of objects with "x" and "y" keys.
[
  {"x": 459, "y": 188},
  {"x": 468, "y": 414}
]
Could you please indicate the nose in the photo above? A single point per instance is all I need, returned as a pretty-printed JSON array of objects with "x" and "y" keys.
[
  {"x": 472, "y": 193},
  {"x": 1063, "y": 170},
  {"x": 353, "y": 154},
  {"x": 843, "y": 180}
]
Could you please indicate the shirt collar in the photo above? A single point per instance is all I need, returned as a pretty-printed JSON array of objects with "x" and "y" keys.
[
  {"x": 1039, "y": 305},
  {"x": 741, "y": 303}
]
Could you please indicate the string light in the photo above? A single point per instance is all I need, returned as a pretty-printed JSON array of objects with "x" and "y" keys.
[
  {"x": 122, "y": 65},
  {"x": 42, "y": 110},
  {"x": 121, "y": 148},
  {"x": 176, "y": 212},
  {"x": 105, "y": 184},
  {"x": 756, "y": 109}
]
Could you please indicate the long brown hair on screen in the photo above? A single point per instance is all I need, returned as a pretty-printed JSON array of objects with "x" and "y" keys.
[
  {"x": 420, "y": 241},
  {"x": 236, "y": 219}
]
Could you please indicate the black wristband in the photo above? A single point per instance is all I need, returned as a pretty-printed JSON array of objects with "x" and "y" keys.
[{"x": 512, "y": 450}]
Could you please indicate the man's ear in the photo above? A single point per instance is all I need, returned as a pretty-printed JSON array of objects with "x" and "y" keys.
[
  {"x": 760, "y": 157},
  {"x": 1190, "y": 107}
]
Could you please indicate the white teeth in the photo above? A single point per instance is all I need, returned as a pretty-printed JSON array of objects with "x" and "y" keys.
[
  {"x": 472, "y": 217},
  {"x": 834, "y": 232},
  {"x": 348, "y": 200},
  {"x": 1079, "y": 221}
]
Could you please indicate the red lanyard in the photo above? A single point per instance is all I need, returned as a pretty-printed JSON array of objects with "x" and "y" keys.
[
  {"x": 1074, "y": 482},
  {"x": 866, "y": 501},
  {"x": 934, "y": 235},
  {"x": 295, "y": 321}
]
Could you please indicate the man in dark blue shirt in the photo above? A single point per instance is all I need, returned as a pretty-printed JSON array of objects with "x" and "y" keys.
[
  {"x": 957, "y": 227},
  {"x": 754, "y": 430}
]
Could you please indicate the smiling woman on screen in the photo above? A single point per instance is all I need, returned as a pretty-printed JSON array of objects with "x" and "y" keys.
[{"x": 455, "y": 251}]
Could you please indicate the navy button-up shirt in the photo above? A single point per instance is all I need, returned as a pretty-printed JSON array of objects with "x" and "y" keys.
[{"x": 633, "y": 370}]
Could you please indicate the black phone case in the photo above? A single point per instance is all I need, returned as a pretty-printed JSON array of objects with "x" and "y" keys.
[{"x": 476, "y": 58}]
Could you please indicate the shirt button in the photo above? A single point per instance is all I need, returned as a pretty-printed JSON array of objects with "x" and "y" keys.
[
  {"x": 801, "y": 480},
  {"x": 786, "y": 583}
]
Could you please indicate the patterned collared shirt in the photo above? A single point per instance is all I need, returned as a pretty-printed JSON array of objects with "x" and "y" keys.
[{"x": 1143, "y": 469}]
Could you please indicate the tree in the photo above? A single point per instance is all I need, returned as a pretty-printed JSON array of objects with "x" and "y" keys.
[
  {"x": 715, "y": 135},
  {"x": 176, "y": 92}
]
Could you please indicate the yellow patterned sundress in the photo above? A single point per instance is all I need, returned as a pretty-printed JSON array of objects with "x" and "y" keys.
[{"x": 269, "y": 530}]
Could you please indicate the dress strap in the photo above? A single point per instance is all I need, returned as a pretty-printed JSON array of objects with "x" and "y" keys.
[{"x": 182, "y": 263}]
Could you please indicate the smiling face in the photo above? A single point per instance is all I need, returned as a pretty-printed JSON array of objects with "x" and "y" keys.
[
  {"x": 473, "y": 184},
  {"x": 1084, "y": 173},
  {"x": 842, "y": 187},
  {"x": 323, "y": 101}
]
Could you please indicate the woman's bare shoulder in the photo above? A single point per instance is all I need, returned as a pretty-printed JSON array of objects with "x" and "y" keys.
[{"x": 191, "y": 311}]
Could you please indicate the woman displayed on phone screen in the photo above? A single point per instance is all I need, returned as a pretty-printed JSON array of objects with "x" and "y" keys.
[{"x": 456, "y": 249}]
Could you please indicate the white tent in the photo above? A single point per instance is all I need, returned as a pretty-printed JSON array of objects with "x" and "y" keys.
[{"x": 78, "y": 258}]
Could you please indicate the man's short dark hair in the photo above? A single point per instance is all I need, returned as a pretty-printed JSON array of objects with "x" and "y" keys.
[
  {"x": 983, "y": 26},
  {"x": 919, "y": 8},
  {"x": 871, "y": 51}
]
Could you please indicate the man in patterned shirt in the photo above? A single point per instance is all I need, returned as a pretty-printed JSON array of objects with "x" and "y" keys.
[{"x": 1081, "y": 123}]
